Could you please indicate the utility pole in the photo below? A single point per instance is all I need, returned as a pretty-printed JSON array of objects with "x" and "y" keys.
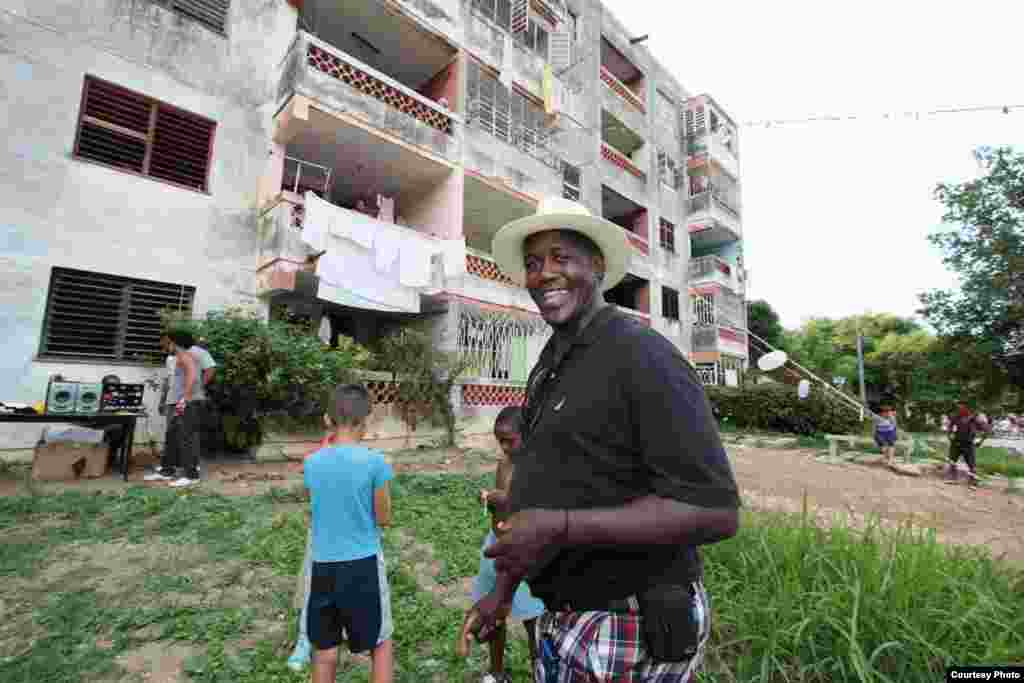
[{"x": 860, "y": 366}]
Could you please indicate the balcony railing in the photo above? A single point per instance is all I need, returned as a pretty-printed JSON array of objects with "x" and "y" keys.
[
  {"x": 712, "y": 198},
  {"x": 486, "y": 268},
  {"x": 720, "y": 309},
  {"x": 323, "y": 72},
  {"x": 622, "y": 90},
  {"x": 704, "y": 266},
  {"x": 622, "y": 161}
]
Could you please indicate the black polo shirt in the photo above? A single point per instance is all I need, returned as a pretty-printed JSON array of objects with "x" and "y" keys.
[{"x": 619, "y": 415}]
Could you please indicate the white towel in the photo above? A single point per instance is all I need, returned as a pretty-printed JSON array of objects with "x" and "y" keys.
[
  {"x": 454, "y": 254},
  {"x": 386, "y": 249},
  {"x": 315, "y": 223},
  {"x": 361, "y": 228},
  {"x": 415, "y": 264},
  {"x": 387, "y": 208}
]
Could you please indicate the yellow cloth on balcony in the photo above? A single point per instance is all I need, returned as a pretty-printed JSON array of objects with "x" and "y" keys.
[{"x": 519, "y": 371}]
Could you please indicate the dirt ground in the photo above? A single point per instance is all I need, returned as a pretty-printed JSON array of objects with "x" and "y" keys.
[{"x": 770, "y": 479}]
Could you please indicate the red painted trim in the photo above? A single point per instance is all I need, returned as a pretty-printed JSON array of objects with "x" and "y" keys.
[
  {"x": 738, "y": 337},
  {"x": 297, "y": 4},
  {"x": 489, "y": 305}
]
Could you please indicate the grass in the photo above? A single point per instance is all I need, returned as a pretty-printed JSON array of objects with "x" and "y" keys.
[{"x": 793, "y": 601}]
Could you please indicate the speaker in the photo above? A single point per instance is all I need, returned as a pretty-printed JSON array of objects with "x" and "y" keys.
[
  {"x": 61, "y": 397},
  {"x": 88, "y": 402},
  {"x": 118, "y": 397}
]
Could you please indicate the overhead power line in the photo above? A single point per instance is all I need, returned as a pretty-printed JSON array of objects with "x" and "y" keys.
[{"x": 915, "y": 115}]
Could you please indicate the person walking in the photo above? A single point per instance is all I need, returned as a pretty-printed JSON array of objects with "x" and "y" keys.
[{"x": 620, "y": 478}]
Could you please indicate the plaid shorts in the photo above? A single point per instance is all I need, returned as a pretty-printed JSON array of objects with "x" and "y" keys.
[{"x": 608, "y": 647}]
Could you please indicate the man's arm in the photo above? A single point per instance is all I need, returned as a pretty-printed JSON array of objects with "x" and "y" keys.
[
  {"x": 651, "y": 520},
  {"x": 189, "y": 363},
  {"x": 208, "y": 374}
]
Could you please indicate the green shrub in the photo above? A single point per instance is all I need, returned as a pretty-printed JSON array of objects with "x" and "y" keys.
[
  {"x": 267, "y": 369},
  {"x": 776, "y": 407}
]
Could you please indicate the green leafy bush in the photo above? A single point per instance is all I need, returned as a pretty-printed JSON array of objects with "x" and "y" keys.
[
  {"x": 274, "y": 368},
  {"x": 776, "y": 407},
  {"x": 424, "y": 376}
]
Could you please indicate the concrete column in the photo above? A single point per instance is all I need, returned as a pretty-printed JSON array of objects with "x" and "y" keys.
[{"x": 273, "y": 174}]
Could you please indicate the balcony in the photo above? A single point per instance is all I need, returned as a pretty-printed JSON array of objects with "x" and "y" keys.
[
  {"x": 336, "y": 81},
  {"x": 719, "y": 321},
  {"x": 712, "y": 220},
  {"x": 622, "y": 77},
  {"x": 719, "y": 340},
  {"x": 714, "y": 149},
  {"x": 628, "y": 215},
  {"x": 283, "y": 256},
  {"x": 715, "y": 270}
]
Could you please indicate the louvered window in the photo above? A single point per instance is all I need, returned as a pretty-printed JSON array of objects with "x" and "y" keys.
[
  {"x": 667, "y": 236},
  {"x": 570, "y": 181},
  {"x": 668, "y": 171},
  {"x": 669, "y": 303},
  {"x": 107, "y": 317},
  {"x": 213, "y": 14},
  {"x": 132, "y": 132},
  {"x": 508, "y": 115}
]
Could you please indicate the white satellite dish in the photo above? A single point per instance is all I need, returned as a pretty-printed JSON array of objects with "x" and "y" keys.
[
  {"x": 772, "y": 361},
  {"x": 803, "y": 389}
]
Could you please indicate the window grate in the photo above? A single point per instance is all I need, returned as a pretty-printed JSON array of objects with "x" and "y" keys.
[
  {"x": 213, "y": 14},
  {"x": 109, "y": 317},
  {"x": 667, "y": 236},
  {"x": 669, "y": 303},
  {"x": 131, "y": 132}
]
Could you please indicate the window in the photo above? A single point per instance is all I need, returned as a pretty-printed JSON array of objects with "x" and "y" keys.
[
  {"x": 574, "y": 26},
  {"x": 213, "y": 14},
  {"x": 507, "y": 115},
  {"x": 107, "y": 317},
  {"x": 535, "y": 38},
  {"x": 134, "y": 133},
  {"x": 667, "y": 236},
  {"x": 497, "y": 11},
  {"x": 668, "y": 171},
  {"x": 666, "y": 111},
  {"x": 570, "y": 181},
  {"x": 669, "y": 303}
]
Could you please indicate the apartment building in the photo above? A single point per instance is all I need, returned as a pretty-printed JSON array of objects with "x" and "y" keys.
[{"x": 349, "y": 161}]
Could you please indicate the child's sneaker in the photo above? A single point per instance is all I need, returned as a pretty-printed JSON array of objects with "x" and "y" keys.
[
  {"x": 190, "y": 479},
  {"x": 301, "y": 656},
  {"x": 160, "y": 475}
]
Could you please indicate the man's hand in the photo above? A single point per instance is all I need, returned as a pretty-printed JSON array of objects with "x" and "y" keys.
[
  {"x": 483, "y": 620},
  {"x": 528, "y": 539},
  {"x": 179, "y": 407}
]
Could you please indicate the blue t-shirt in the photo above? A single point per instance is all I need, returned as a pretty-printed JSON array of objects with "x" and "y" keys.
[{"x": 341, "y": 481}]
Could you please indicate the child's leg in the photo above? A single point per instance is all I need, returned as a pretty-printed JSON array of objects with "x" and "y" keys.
[
  {"x": 531, "y": 637},
  {"x": 307, "y": 570},
  {"x": 497, "y": 647},
  {"x": 382, "y": 664},
  {"x": 325, "y": 665}
]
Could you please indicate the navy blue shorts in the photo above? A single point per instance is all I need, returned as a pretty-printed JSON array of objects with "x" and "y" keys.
[
  {"x": 884, "y": 439},
  {"x": 353, "y": 596}
]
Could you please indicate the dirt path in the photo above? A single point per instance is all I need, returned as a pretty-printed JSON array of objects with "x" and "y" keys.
[
  {"x": 769, "y": 479},
  {"x": 778, "y": 480}
]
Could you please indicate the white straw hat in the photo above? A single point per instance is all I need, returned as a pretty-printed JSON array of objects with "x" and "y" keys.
[{"x": 556, "y": 213}]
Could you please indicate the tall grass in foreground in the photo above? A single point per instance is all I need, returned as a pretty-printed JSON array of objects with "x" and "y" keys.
[{"x": 795, "y": 602}]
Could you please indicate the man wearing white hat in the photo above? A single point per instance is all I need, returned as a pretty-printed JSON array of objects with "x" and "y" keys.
[{"x": 622, "y": 471}]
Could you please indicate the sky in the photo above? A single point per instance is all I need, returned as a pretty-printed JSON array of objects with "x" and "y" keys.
[{"x": 836, "y": 214}]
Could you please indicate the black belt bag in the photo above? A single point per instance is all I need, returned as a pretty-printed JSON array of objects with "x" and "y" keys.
[{"x": 673, "y": 619}]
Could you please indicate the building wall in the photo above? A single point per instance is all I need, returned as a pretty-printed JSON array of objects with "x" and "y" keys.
[{"x": 62, "y": 212}]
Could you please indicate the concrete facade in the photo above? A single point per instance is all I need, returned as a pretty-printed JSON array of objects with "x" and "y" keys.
[{"x": 393, "y": 119}]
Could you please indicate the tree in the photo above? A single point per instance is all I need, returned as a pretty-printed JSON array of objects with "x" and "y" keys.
[
  {"x": 985, "y": 248},
  {"x": 763, "y": 321}
]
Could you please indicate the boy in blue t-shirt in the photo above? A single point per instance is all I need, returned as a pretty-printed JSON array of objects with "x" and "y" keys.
[{"x": 350, "y": 502}]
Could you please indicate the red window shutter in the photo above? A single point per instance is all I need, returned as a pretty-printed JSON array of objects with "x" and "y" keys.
[
  {"x": 113, "y": 127},
  {"x": 520, "y": 16},
  {"x": 181, "y": 148}
]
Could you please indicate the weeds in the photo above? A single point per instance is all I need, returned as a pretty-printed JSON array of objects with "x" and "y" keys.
[{"x": 793, "y": 601}]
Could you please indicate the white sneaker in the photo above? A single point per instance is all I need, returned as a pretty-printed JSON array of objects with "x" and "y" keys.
[
  {"x": 183, "y": 482},
  {"x": 157, "y": 476}
]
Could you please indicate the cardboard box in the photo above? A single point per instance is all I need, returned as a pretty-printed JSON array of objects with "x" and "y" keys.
[{"x": 67, "y": 461}]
